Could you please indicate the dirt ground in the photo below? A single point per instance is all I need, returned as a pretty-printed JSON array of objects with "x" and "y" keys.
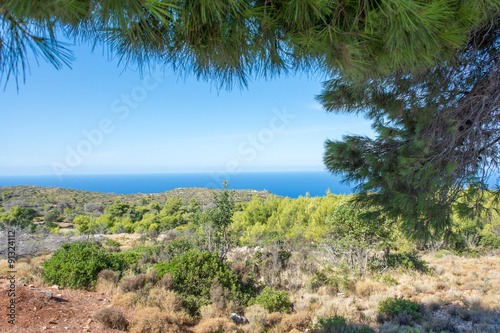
[{"x": 66, "y": 311}]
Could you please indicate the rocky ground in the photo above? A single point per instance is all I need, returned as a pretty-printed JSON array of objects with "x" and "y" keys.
[{"x": 50, "y": 309}]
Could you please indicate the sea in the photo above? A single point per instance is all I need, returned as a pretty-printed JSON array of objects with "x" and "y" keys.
[{"x": 288, "y": 184}]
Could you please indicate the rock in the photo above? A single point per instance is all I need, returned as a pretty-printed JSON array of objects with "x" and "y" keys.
[
  {"x": 44, "y": 328},
  {"x": 238, "y": 319},
  {"x": 48, "y": 294},
  {"x": 55, "y": 287}
]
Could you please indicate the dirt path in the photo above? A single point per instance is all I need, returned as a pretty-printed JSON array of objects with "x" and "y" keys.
[{"x": 66, "y": 311}]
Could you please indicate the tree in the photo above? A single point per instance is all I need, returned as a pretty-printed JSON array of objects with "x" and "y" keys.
[
  {"x": 118, "y": 208},
  {"x": 18, "y": 216},
  {"x": 51, "y": 216},
  {"x": 215, "y": 222},
  {"x": 230, "y": 40},
  {"x": 82, "y": 223},
  {"x": 438, "y": 134},
  {"x": 353, "y": 232}
]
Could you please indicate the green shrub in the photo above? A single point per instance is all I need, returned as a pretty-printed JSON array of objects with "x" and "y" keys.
[
  {"x": 112, "y": 243},
  {"x": 490, "y": 240},
  {"x": 76, "y": 265},
  {"x": 337, "y": 277},
  {"x": 337, "y": 324},
  {"x": 274, "y": 301},
  {"x": 193, "y": 274},
  {"x": 386, "y": 279},
  {"x": 130, "y": 258},
  {"x": 177, "y": 246},
  {"x": 408, "y": 261},
  {"x": 392, "y": 307}
]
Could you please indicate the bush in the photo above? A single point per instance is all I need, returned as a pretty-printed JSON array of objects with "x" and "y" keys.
[
  {"x": 133, "y": 283},
  {"x": 112, "y": 318},
  {"x": 149, "y": 319},
  {"x": 76, "y": 265},
  {"x": 274, "y": 301},
  {"x": 193, "y": 274},
  {"x": 408, "y": 261},
  {"x": 338, "y": 324},
  {"x": 112, "y": 243},
  {"x": 130, "y": 258},
  {"x": 392, "y": 307}
]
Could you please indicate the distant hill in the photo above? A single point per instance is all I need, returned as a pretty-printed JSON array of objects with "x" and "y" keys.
[{"x": 40, "y": 196}]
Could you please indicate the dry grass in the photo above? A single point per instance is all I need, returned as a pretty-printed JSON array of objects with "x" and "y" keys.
[
  {"x": 273, "y": 319},
  {"x": 365, "y": 288},
  {"x": 299, "y": 321},
  {"x": 163, "y": 299},
  {"x": 126, "y": 300},
  {"x": 28, "y": 270},
  {"x": 216, "y": 325},
  {"x": 153, "y": 320},
  {"x": 111, "y": 318},
  {"x": 107, "y": 282},
  {"x": 257, "y": 318}
]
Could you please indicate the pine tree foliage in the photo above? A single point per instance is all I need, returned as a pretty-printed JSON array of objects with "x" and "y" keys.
[
  {"x": 438, "y": 133},
  {"x": 230, "y": 41}
]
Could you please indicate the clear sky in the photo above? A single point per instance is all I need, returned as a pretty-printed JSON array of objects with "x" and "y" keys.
[{"x": 98, "y": 118}]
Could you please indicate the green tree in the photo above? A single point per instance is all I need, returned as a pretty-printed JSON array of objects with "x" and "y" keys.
[
  {"x": 19, "y": 216},
  {"x": 354, "y": 231},
  {"x": 230, "y": 40},
  {"x": 212, "y": 225},
  {"x": 82, "y": 223},
  {"x": 437, "y": 133},
  {"x": 51, "y": 216},
  {"x": 118, "y": 208}
]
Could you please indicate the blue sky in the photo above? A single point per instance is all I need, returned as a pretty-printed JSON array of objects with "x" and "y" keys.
[{"x": 98, "y": 118}]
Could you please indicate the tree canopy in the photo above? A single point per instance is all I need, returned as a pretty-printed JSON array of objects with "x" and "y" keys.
[
  {"x": 231, "y": 40},
  {"x": 438, "y": 132}
]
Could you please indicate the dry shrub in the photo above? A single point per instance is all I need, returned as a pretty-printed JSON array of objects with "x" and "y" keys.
[
  {"x": 151, "y": 277},
  {"x": 407, "y": 291},
  {"x": 423, "y": 288},
  {"x": 164, "y": 300},
  {"x": 303, "y": 300},
  {"x": 457, "y": 271},
  {"x": 111, "y": 318},
  {"x": 273, "y": 319},
  {"x": 473, "y": 302},
  {"x": 328, "y": 291},
  {"x": 366, "y": 288},
  {"x": 299, "y": 321},
  {"x": 219, "y": 296},
  {"x": 439, "y": 270},
  {"x": 209, "y": 311},
  {"x": 166, "y": 281},
  {"x": 108, "y": 275},
  {"x": 106, "y": 287},
  {"x": 133, "y": 283},
  {"x": 257, "y": 318},
  {"x": 153, "y": 320},
  {"x": 107, "y": 282},
  {"x": 432, "y": 302},
  {"x": 126, "y": 300},
  {"x": 440, "y": 286},
  {"x": 216, "y": 325}
]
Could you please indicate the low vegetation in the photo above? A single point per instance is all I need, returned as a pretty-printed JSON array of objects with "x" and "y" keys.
[{"x": 271, "y": 265}]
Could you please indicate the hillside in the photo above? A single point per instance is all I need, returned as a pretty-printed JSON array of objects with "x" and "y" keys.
[{"x": 39, "y": 196}]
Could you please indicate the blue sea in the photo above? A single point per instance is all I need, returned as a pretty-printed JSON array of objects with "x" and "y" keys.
[{"x": 289, "y": 184}]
